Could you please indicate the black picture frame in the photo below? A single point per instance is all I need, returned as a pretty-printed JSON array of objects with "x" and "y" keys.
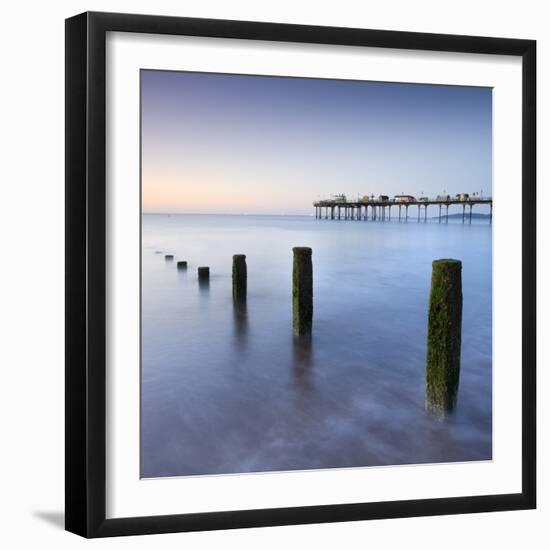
[{"x": 86, "y": 274}]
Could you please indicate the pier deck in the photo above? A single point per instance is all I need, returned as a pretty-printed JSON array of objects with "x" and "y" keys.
[{"x": 381, "y": 210}]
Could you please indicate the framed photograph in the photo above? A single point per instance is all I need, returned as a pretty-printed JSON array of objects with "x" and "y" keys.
[{"x": 300, "y": 274}]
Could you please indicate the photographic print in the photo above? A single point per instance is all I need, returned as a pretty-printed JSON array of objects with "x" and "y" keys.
[{"x": 316, "y": 274}]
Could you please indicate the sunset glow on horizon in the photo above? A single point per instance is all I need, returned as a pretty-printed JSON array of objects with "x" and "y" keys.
[{"x": 215, "y": 143}]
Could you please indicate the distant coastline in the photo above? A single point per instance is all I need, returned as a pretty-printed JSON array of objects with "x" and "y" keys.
[{"x": 467, "y": 215}]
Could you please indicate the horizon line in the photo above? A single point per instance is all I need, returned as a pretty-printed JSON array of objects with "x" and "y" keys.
[{"x": 223, "y": 214}]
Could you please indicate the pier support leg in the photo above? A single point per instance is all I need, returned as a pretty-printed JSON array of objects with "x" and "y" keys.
[
  {"x": 302, "y": 291},
  {"x": 447, "y": 214},
  {"x": 439, "y": 213},
  {"x": 444, "y": 336},
  {"x": 339, "y": 209},
  {"x": 491, "y": 213},
  {"x": 399, "y": 212},
  {"x": 463, "y": 212},
  {"x": 471, "y": 206},
  {"x": 425, "y": 213},
  {"x": 418, "y": 213},
  {"x": 389, "y": 213},
  {"x": 406, "y": 212},
  {"x": 239, "y": 278}
]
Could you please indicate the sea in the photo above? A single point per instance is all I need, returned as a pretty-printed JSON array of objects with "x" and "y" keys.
[{"x": 226, "y": 388}]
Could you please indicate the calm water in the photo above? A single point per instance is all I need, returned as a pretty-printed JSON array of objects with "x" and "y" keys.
[{"x": 228, "y": 390}]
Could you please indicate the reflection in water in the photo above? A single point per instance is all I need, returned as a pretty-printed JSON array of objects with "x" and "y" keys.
[
  {"x": 240, "y": 318},
  {"x": 204, "y": 286},
  {"x": 302, "y": 363}
]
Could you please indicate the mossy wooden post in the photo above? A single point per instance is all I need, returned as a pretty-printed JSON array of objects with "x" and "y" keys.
[
  {"x": 444, "y": 336},
  {"x": 239, "y": 277},
  {"x": 204, "y": 274},
  {"x": 302, "y": 291},
  {"x": 182, "y": 264}
]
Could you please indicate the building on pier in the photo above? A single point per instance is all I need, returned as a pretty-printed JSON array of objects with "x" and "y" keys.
[{"x": 404, "y": 198}]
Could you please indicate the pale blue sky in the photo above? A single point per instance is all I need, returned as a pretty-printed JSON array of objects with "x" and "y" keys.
[{"x": 218, "y": 143}]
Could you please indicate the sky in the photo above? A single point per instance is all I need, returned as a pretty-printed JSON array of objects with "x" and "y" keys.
[{"x": 217, "y": 143}]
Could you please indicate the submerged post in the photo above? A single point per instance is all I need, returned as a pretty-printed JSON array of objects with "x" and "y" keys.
[
  {"x": 169, "y": 257},
  {"x": 204, "y": 274},
  {"x": 239, "y": 277},
  {"x": 444, "y": 336},
  {"x": 302, "y": 291},
  {"x": 182, "y": 264}
]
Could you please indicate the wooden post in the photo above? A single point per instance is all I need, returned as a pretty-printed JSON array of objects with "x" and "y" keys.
[
  {"x": 204, "y": 274},
  {"x": 302, "y": 291},
  {"x": 182, "y": 264},
  {"x": 239, "y": 277},
  {"x": 169, "y": 257},
  {"x": 444, "y": 336}
]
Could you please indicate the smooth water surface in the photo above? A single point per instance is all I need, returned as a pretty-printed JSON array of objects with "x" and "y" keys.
[{"x": 228, "y": 389}]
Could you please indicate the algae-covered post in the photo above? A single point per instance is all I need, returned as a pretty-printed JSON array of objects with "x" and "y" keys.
[
  {"x": 239, "y": 277},
  {"x": 444, "y": 336},
  {"x": 302, "y": 291},
  {"x": 182, "y": 264},
  {"x": 203, "y": 273}
]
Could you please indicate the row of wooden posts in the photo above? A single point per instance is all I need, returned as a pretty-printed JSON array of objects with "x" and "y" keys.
[{"x": 444, "y": 318}]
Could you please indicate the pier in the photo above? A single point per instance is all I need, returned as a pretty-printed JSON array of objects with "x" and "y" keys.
[{"x": 381, "y": 210}]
